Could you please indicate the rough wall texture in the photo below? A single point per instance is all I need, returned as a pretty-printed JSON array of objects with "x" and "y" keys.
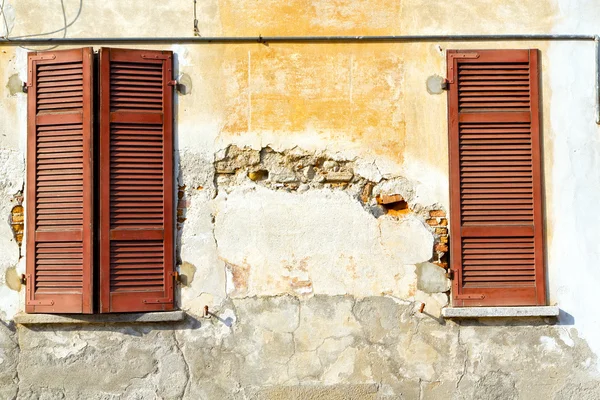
[
  {"x": 280, "y": 347},
  {"x": 312, "y": 192}
]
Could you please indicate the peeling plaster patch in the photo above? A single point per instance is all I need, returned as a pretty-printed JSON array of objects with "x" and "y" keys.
[
  {"x": 409, "y": 239},
  {"x": 187, "y": 270},
  {"x": 12, "y": 279},
  {"x": 282, "y": 215},
  {"x": 14, "y": 85},
  {"x": 278, "y": 242},
  {"x": 432, "y": 278}
]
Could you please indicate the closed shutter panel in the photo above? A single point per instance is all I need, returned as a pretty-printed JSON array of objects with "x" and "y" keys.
[
  {"x": 136, "y": 180},
  {"x": 495, "y": 178},
  {"x": 59, "y": 182}
]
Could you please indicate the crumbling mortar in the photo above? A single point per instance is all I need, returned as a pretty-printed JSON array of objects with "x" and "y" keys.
[{"x": 286, "y": 171}]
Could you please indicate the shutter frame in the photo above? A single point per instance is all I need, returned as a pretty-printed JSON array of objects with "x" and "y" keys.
[
  {"x": 119, "y": 105},
  {"x": 53, "y": 250},
  {"x": 464, "y": 235}
]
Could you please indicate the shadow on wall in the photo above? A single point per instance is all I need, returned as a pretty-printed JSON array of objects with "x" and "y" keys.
[{"x": 180, "y": 201}]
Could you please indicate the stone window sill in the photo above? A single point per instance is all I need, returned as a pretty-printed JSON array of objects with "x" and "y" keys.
[
  {"x": 500, "y": 312},
  {"x": 86, "y": 319}
]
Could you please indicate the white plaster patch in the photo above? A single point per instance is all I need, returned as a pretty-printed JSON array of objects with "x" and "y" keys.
[
  {"x": 407, "y": 239},
  {"x": 320, "y": 242}
]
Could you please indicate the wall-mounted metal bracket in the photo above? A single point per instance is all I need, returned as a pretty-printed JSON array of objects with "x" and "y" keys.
[{"x": 445, "y": 84}]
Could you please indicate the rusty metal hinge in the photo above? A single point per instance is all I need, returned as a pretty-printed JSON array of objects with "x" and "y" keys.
[
  {"x": 470, "y": 296},
  {"x": 452, "y": 57},
  {"x": 30, "y": 301},
  {"x": 445, "y": 84},
  {"x": 176, "y": 276},
  {"x": 172, "y": 83},
  {"x": 43, "y": 57},
  {"x": 164, "y": 300},
  {"x": 156, "y": 56}
]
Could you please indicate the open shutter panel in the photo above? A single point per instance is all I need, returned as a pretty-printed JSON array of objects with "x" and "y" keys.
[
  {"x": 59, "y": 182},
  {"x": 495, "y": 178},
  {"x": 136, "y": 180}
]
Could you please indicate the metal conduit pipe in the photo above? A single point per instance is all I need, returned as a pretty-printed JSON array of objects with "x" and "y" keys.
[{"x": 318, "y": 39}]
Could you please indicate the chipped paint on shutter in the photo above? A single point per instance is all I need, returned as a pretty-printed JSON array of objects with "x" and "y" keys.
[
  {"x": 59, "y": 182},
  {"x": 136, "y": 204},
  {"x": 495, "y": 174}
]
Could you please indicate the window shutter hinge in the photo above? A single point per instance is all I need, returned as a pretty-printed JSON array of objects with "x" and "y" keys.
[
  {"x": 41, "y": 57},
  {"x": 172, "y": 83},
  {"x": 445, "y": 84},
  {"x": 470, "y": 297},
  {"x": 157, "y": 301},
  {"x": 30, "y": 301},
  {"x": 177, "y": 277},
  {"x": 452, "y": 57}
]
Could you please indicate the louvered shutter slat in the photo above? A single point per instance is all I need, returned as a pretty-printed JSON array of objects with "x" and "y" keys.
[
  {"x": 496, "y": 219},
  {"x": 59, "y": 182},
  {"x": 137, "y": 195}
]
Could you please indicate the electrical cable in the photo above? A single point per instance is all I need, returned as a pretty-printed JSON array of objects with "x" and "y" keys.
[{"x": 63, "y": 29}]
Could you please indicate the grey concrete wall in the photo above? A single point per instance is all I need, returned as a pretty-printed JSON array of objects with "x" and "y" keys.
[{"x": 327, "y": 347}]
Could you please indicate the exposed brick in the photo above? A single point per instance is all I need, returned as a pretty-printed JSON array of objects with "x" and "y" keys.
[
  {"x": 366, "y": 192},
  {"x": 400, "y": 212},
  {"x": 437, "y": 213},
  {"x": 441, "y": 247},
  {"x": 443, "y": 222},
  {"x": 444, "y": 239},
  {"x": 432, "y": 222},
  {"x": 17, "y": 223},
  {"x": 389, "y": 198},
  {"x": 441, "y": 231}
]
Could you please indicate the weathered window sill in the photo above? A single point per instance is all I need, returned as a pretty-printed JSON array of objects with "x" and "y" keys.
[
  {"x": 500, "y": 312},
  {"x": 85, "y": 319}
]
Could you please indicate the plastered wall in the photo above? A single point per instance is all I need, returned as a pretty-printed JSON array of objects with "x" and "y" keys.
[{"x": 284, "y": 152}]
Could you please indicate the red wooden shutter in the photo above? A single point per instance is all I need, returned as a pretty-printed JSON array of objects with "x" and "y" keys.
[
  {"x": 495, "y": 178},
  {"x": 59, "y": 182},
  {"x": 136, "y": 180}
]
